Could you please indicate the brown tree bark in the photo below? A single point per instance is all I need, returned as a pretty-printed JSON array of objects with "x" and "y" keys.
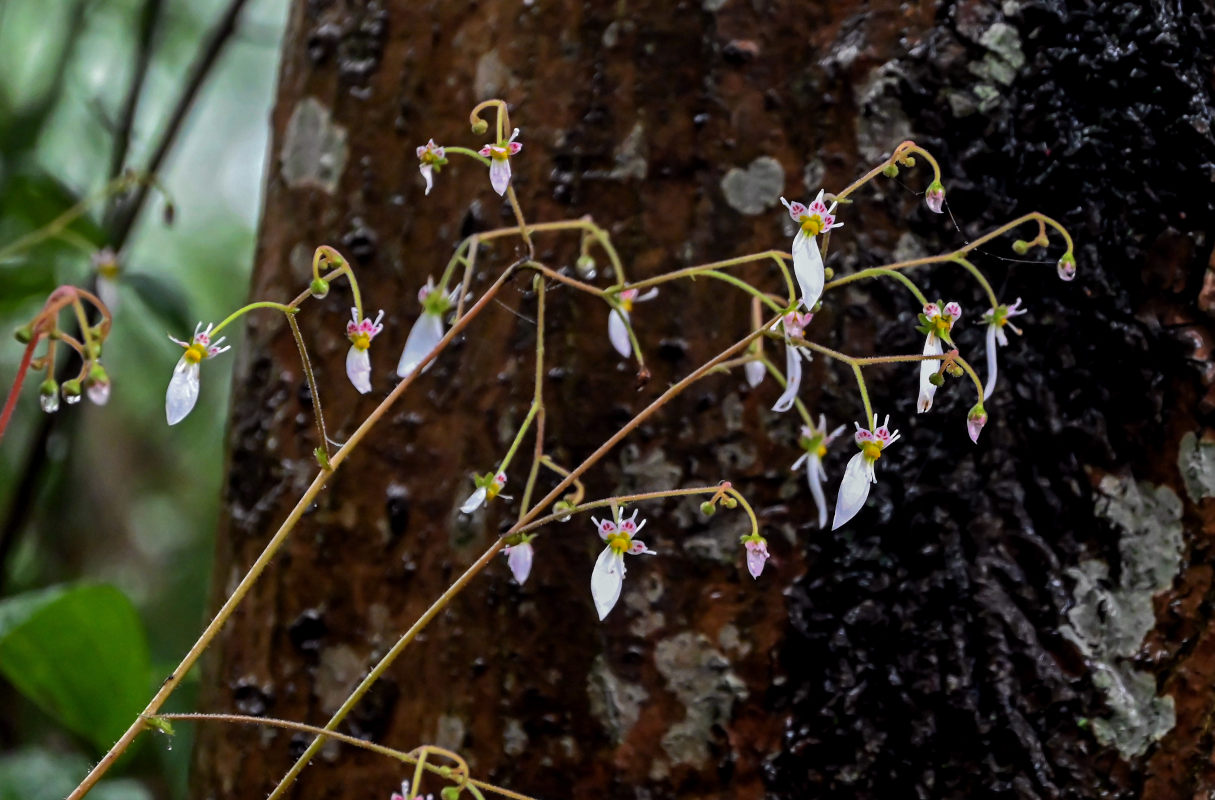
[{"x": 977, "y": 630}]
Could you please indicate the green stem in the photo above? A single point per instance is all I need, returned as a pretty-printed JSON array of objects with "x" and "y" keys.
[
  {"x": 312, "y": 387},
  {"x": 864, "y": 390},
  {"x": 464, "y": 151},
  {"x": 286, "y": 309},
  {"x": 874, "y": 272},
  {"x": 973, "y": 270}
]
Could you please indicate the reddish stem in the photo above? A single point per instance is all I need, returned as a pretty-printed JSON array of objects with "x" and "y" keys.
[{"x": 11, "y": 402}]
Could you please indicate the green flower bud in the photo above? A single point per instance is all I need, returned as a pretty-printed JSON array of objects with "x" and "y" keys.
[
  {"x": 319, "y": 288},
  {"x": 936, "y": 379},
  {"x": 891, "y": 171},
  {"x": 24, "y": 334},
  {"x": 480, "y": 126},
  {"x": 48, "y": 396},
  {"x": 1020, "y": 247},
  {"x": 708, "y": 509}
]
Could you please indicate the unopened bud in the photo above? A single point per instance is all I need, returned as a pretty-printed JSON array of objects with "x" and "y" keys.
[
  {"x": 450, "y": 793},
  {"x": 909, "y": 161},
  {"x": 729, "y": 502},
  {"x": 319, "y": 288},
  {"x": 936, "y": 379},
  {"x": 1067, "y": 266},
  {"x": 480, "y": 126},
  {"x": 955, "y": 370},
  {"x": 585, "y": 265},
  {"x": 891, "y": 170},
  {"x": 97, "y": 385},
  {"x": 708, "y": 509},
  {"x": 1020, "y": 247},
  {"x": 24, "y": 334},
  {"x": 48, "y": 395},
  {"x": 71, "y": 391},
  {"x": 934, "y": 197}
]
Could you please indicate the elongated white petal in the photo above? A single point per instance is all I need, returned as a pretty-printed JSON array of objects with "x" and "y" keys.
[
  {"x": 358, "y": 369},
  {"x": 519, "y": 558},
  {"x": 618, "y": 332},
  {"x": 854, "y": 490},
  {"x": 928, "y": 367},
  {"x": 183, "y": 391},
  {"x": 808, "y": 269},
  {"x": 107, "y": 290},
  {"x": 499, "y": 174},
  {"x": 606, "y": 580},
  {"x": 423, "y": 337},
  {"x": 793, "y": 379},
  {"x": 814, "y": 477},
  {"x": 992, "y": 370},
  {"x": 474, "y": 501},
  {"x": 755, "y": 372},
  {"x": 428, "y": 175}
]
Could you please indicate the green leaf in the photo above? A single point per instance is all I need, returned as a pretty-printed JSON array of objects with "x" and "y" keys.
[
  {"x": 36, "y": 774},
  {"x": 164, "y": 299},
  {"x": 80, "y": 654}
]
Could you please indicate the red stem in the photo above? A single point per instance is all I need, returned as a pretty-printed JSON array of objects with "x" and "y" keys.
[{"x": 11, "y": 402}]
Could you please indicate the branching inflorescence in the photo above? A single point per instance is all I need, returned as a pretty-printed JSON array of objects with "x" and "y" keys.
[{"x": 781, "y": 315}]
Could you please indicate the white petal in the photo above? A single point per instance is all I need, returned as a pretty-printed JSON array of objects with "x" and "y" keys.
[
  {"x": 183, "y": 391},
  {"x": 423, "y": 337},
  {"x": 991, "y": 361},
  {"x": 520, "y": 560},
  {"x": 808, "y": 269},
  {"x": 358, "y": 369},
  {"x": 854, "y": 490},
  {"x": 107, "y": 291},
  {"x": 755, "y": 561},
  {"x": 929, "y": 367},
  {"x": 428, "y": 174},
  {"x": 755, "y": 372},
  {"x": 499, "y": 174},
  {"x": 474, "y": 501},
  {"x": 793, "y": 379},
  {"x": 618, "y": 332},
  {"x": 814, "y": 477},
  {"x": 606, "y": 580}
]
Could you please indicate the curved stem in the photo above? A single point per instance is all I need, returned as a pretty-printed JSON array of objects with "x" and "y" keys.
[
  {"x": 286, "y": 309},
  {"x": 312, "y": 387},
  {"x": 11, "y": 402},
  {"x": 876, "y": 272}
]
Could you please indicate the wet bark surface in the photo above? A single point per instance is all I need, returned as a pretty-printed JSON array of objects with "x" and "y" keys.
[{"x": 1000, "y": 619}]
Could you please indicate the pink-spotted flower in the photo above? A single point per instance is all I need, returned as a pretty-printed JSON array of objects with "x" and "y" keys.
[
  {"x": 814, "y": 442},
  {"x": 757, "y": 553},
  {"x": 405, "y": 795},
  {"x": 431, "y": 159},
  {"x": 936, "y": 323},
  {"x": 499, "y": 161},
  {"x": 360, "y": 332},
  {"x": 519, "y": 555},
  {"x": 618, "y": 319},
  {"x": 854, "y": 489},
  {"x": 996, "y": 320},
  {"x": 183, "y": 386},
  {"x": 425, "y": 334},
  {"x": 807, "y": 259},
  {"x": 488, "y": 486},
  {"x": 608, "y": 575},
  {"x": 794, "y": 324},
  {"x": 934, "y": 198}
]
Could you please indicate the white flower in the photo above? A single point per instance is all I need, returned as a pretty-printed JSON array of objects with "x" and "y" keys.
[
  {"x": 755, "y": 372},
  {"x": 815, "y": 441},
  {"x": 108, "y": 267},
  {"x": 794, "y": 324},
  {"x": 431, "y": 159},
  {"x": 608, "y": 575},
  {"x": 854, "y": 489},
  {"x": 426, "y": 333},
  {"x": 488, "y": 487},
  {"x": 996, "y": 319},
  {"x": 937, "y": 324},
  {"x": 183, "y": 386},
  {"x": 807, "y": 259},
  {"x": 499, "y": 161},
  {"x": 757, "y": 553},
  {"x": 618, "y": 319},
  {"x": 360, "y": 332},
  {"x": 519, "y": 558},
  {"x": 405, "y": 795}
]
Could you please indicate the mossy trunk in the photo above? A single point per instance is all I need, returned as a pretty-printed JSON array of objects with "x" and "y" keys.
[{"x": 1028, "y": 617}]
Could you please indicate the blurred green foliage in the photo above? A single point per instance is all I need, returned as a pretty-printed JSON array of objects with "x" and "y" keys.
[{"x": 117, "y": 495}]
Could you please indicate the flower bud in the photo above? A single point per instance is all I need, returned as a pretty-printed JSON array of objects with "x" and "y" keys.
[
  {"x": 729, "y": 502},
  {"x": 97, "y": 385},
  {"x": 975, "y": 420},
  {"x": 936, "y": 379},
  {"x": 480, "y": 126},
  {"x": 934, "y": 197},
  {"x": 319, "y": 288},
  {"x": 1020, "y": 247},
  {"x": 890, "y": 170},
  {"x": 563, "y": 505},
  {"x": 955, "y": 370},
  {"x": 70, "y": 391},
  {"x": 585, "y": 265},
  {"x": 450, "y": 793},
  {"x": 24, "y": 334},
  {"x": 1067, "y": 266},
  {"x": 48, "y": 395},
  {"x": 708, "y": 509}
]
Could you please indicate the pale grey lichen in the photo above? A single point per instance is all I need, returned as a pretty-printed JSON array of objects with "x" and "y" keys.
[
  {"x": 339, "y": 671},
  {"x": 1196, "y": 460},
  {"x": 314, "y": 148},
  {"x": 701, "y": 677},
  {"x": 615, "y": 703},
  {"x": 1108, "y": 622},
  {"x": 755, "y": 189},
  {"x": 720, "y": 542},
  {"x": 514, "y": 738},
  {"x": 881, "y": 123},
  {"x": 631, "y": 156},
  {"x": 450, "y": 732}
]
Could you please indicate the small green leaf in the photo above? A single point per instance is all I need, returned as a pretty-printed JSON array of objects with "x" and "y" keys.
[{"x": 80, "y": 654}]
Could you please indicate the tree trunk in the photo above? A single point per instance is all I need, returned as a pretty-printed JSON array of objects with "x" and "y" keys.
[{"x": 1028, "y": 617}]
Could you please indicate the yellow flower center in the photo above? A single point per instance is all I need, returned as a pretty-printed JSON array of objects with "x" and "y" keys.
[
  {"x": 619, "y": 542},
  {"x": 361, "y": 341},
  {"x": 822, "y": 450},
  {"x": 195, "y": 353},
  {"x": 492, "y": 490},
  {"x": 108, "y": 270},
  {"x": 812, "y": 224},
  {"x": 500, "y": 153},
  {"x": 942, "y": 325},
  {"x": 626, "y": 303},
  {"x": 872, "y": 450}
]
